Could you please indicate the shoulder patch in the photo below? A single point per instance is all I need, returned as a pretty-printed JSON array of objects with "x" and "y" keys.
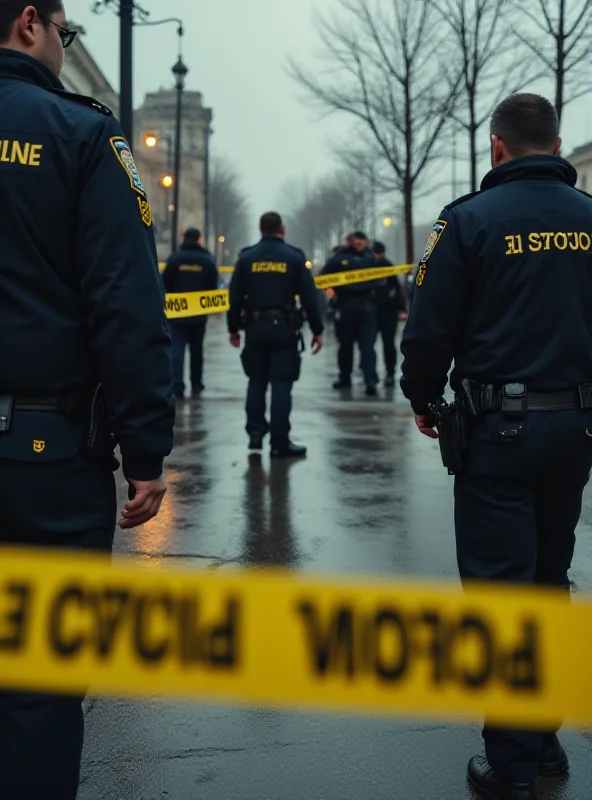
[
  {"x": 124, "y": 156},
  {"x": 89, "y": 102},
  {"x": 433, "y": 239}
]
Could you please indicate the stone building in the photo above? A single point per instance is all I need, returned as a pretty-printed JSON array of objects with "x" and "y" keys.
[
  {"x": 157, "y": 117},
  {"x": 83, "y": 75},
  {"x": 581, "y": 158}
]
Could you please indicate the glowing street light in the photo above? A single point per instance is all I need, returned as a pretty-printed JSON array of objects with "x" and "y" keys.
[
  {"x": 387, "y": 222},
  {"x": 167, "y": 181},
  {"x": 221, "y": 239},
  {"x": 150, "y": 140}
]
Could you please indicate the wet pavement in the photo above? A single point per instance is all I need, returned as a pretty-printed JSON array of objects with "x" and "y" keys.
[{"x": 371, "y": 498}]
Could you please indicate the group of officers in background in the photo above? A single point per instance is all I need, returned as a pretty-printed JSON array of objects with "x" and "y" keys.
[
  {"x": 359, "y": 311},
  {"x": 362, "y": 310}
]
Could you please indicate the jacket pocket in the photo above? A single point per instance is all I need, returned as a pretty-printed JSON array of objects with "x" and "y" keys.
[{"x": 41, "y": 437}]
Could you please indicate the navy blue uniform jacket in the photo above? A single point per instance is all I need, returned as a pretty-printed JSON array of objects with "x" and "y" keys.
[
  {"x": 504, "y": 287},
  {"x": 190, "y": 269},
  {"x": 269, "y": 276},
  {"x": 388, "y": 290},
  {"x": 81, "y": 299},
  {"x": 349, "y": 260}
]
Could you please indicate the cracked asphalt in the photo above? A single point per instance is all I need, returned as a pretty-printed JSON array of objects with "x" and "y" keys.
[{"x": 371, "y": 498}]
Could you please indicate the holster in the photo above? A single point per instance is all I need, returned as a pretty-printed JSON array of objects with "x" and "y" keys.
[
  {"x": 451, "y": 424},
  {"x": 100, "y": 439}
]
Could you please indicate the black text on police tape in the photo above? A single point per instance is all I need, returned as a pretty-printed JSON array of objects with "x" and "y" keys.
[
  {"x": 158, "y": 625},
  {"x": 390, "y": 643}
]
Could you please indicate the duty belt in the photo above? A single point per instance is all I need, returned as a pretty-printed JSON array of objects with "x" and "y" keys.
[
  {"x": 489, "y": 398},
  {"x": 267, "y": 314}
]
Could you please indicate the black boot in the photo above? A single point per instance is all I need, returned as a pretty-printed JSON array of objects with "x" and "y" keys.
[
  {"x": 389, "y": 381},
  {"x": 493, "y": 786},
  {"x": 342, "y": 384},
  {"x": 289, "y": 450},
  {"x": 553, "y": 760},
  {"x": 256, "y": 443},
  {"x": 370, "y": 389}
]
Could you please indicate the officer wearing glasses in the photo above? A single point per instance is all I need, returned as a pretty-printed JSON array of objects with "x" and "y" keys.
[{"x": 86, "y": 360}]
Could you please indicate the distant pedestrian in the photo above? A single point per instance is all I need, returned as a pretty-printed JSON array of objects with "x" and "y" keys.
[{"x": 190, "y": 269}]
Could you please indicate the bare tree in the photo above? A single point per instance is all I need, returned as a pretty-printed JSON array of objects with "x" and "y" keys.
[
  {"x": 229, "y": 212},
  {"x": 383, "y": 70},
  {"x": 321, "y": 215},
  {"x": 559, "y": 39},
  {"x": 489, "y": 62}
]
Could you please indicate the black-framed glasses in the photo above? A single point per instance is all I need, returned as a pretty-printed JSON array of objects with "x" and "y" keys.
[{"x": 66, "y": 36}]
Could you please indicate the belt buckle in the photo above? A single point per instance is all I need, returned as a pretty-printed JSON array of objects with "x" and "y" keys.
[
  {"x": 6, "y": 403},
  {"x": 585, "y": 392}
]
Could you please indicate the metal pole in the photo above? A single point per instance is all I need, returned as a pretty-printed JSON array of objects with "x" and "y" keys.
[
  {"x": 174, "y": 230},
  {"x": 126, "y": 111},
  {"x": 207, "y": 187}
]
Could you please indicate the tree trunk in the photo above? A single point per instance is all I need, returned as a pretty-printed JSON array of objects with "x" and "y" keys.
[
  {"x": 408, "y": 202},
  {"x": 473, "y": 141},
  {"x": 560, "y": 66}
]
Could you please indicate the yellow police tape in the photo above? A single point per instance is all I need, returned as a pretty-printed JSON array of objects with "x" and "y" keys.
[
  {"x": 192, "y": 304},
  {"x": 279, "y": 639}
]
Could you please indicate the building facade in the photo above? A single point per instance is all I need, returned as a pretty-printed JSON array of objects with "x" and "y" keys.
[
  {"x": 157, "y": 114},
  {"x": 156, "y": 117},
  {"x": 581, "y": 158},
  {"x": 82, "y": 74}
]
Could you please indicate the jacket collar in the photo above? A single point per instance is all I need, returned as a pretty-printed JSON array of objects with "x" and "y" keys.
[
  {"x": 531, "y": 168},
  {"x": 14, "y": 64}
]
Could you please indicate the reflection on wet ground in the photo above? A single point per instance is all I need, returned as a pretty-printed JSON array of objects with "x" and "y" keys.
[{"x": 371, "y": 498}]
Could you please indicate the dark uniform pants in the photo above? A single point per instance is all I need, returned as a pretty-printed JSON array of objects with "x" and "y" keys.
[
  {"x": 357, "y": 323},
  {"x": 387, "y": 318},
  {"x": 192, "y": 334},
  {"x": 270, "y": 357},
  {"x": 66, "y": 503},
  {"x": 516, "y": 510}
]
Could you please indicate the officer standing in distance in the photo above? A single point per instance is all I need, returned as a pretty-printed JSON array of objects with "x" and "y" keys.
[
  {"x": 266, "y": 281},
  {"x": 190, "y": 269},
  {"x": 86, "y": 358},
  {"x": 523, "y": 368},
  {"x": 356, "y": 313},
  {"x": 390, "y": 305}
]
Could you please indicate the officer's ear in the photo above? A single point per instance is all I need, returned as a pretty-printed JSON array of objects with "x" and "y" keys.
[
  {"x": 557, "y": 148},
  {"x": 499, "y": 153},
  {"x": 24, "y": 25}
]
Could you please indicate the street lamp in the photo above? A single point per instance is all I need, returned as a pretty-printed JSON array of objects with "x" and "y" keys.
[
  {"x": 150, "y": 139},
  {"x": 387, "y": 222},
  {"x": 180, "y": 72},
  {"x": 167, "y": 181},
  {"x": 221, "y": 241}
]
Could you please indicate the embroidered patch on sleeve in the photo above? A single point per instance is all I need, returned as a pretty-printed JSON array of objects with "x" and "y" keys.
[
  {"x": 431, "y": 243},
  {"x": 145, "y": 212},
  {"x": 126, "y": 159}
]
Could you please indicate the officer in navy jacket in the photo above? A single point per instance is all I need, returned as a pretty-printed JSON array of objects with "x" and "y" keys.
[
  {"x": 504, "y": 290},
  {"x": 86, "y": 355}
]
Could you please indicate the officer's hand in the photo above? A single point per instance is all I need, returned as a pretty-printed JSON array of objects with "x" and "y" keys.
[
  {"x": 425, "y": 424},
  {"x": 402, "y": 316},
  {"x": 317, "y": 344},
  {"x": 145, "y": 500},
  {"x": 235, "y": 339}
]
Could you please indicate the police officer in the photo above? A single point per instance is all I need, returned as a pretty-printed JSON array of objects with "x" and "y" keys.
[
  {"x": 81, "y": 305},
  {"x": 356, "y": 313},
  {"x": 390, "y": 306},
  {"x": 266, "y": 281},
  {"x": 190, "y": 269},
  {"x": 491, "y": 265}
]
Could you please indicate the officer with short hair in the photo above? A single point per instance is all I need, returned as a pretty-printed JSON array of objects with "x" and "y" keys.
[
  {"x": 356, "y": 312},
  {"x": 523, "y": 369},
  {"x": 390, "y": 304},
  {"x": 266, "y": 281},
  {"x": 190, "y": 269},
  {"x": 85, "y": 361}
]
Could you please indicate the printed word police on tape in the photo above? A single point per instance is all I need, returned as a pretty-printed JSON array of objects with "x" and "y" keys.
[{"x": 273, "y": 638}]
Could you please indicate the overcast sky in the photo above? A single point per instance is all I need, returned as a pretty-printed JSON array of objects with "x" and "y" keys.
[{"x": 236, "y": 51}]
